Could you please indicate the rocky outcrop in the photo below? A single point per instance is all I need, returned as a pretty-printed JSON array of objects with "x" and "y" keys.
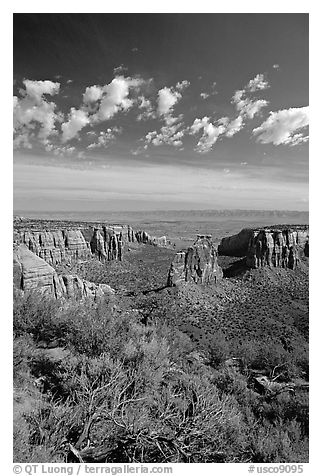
[
  {"x": 198, "y": 264},
  {"x": 235, "y": 245},
  {"x": 143, "y": 237},
  {"x": 77, "y": 288},
  {"x": 55, "y": 246},
  {"x": 30, "y": 272},
  {"x": 274, "y": 247},
  {"x": 106, "y": 242}
]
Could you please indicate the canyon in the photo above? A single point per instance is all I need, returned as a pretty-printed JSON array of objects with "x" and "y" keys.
[{"x": 280, "y": 246}]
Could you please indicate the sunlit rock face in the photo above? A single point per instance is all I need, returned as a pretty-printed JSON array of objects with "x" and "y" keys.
[
  {"x": 55, "y": 246},
  {"x": 273, "y": 247},
  {"x": 198, "y": 264},
  {"x": 105, "y": 242},
  {"x": 32, "y": 273}
]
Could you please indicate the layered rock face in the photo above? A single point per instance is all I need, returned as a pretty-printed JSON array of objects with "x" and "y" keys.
[
  {"x": 106, "y": 242},
  {"x": 57, "y": 245},
  {"x": 272, "y": 247},
  {"x": 198, "y": 264},
  {"x": 30, "y": 272}
]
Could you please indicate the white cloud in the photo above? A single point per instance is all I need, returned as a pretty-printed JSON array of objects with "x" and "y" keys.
[
  {"x": 115, "y": 97},
  {"x": 146, "y": 106},
  {"x": 62, "y": 151},
  {"x": 258, "y": 83},
  {"x": 119, "y": 70},
  {"x": 105, "y": 137},
  {"x": 234, "y": 126},
  {"x": 204, "y": 95},
  {"x": 170, "y": 135},
  {"x": 92, "y": 94},
  {"x": 247, "y": 106},
  {"x": 36, "y": 89},
  {"x": 32, "y": 110},
  {"x": 276, "y": 66},
  {"x": 167, "y": 98},
  {"x": 284, "y": 127},
  {"x": 210, "y": 134},
  {"x": 180, "y": 86},
  {"x": 77, "y": 119}
]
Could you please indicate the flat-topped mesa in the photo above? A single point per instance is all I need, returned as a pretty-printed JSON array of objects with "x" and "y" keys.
[
  {"x": 197, "y": 264},
  {"x": 30, "y": 272},
  {"x": 268, "y": 246}
]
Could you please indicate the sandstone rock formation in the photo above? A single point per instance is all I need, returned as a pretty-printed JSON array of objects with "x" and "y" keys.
[
  {"x": 274, "y": 247},
  {"x": 30, "y": 272},
  {"x": 235, "y": 245},
  {"x": 56, "y": 246},
  {"x": 106, "y": 242},
  {"x": 198, "y": 264},
  {"x": 143, "y": 237}
]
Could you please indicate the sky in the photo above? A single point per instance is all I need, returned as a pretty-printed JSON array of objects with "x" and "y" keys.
[{"x": 160, "y": 111}]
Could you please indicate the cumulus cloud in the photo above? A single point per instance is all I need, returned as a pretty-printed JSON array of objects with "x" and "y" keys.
[
  {"x": 36, "y": 89},
  {"x": 258, "y": 83},
  {"x": 210, "y": 133},
  {"x": 32, "y": 110},
  {"x": 61, "y": 151},
  {"x": 167, "y": 98},
  {"x": 92, "y": 94},
  {"x": 170, "y": 135},
  {"x": 77, "y": 120},
  {"x": 146, "y": 107},
  {"x": 284, "y": 127},
  {"x": 204, "y": 95},
  {"x": 181, "y": 85},
  {"x": 276, "y": 66},
  {"x": 119, "y": 70},
  {"x": 105, "y": 137},
  {"x": 115, "y": 97},
  {"x": 234, "y": 126},
  {"x": 247, "y": 106}
]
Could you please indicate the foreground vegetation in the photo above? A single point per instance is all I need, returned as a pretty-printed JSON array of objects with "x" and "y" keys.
[{"x": 147, "y": 378}]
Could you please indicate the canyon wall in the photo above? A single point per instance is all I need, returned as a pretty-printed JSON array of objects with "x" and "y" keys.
[
  {"x": 198, "y": 264},
  {"x": 274, "y": 247},
  {"x": 106, "y": 242},
  {"x": 30, "y": 272}
]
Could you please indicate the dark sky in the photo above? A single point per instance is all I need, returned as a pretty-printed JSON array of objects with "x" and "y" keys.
[{"x": 189, "y": 111}]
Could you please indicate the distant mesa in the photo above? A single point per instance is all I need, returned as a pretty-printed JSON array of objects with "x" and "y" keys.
[
  {"x": 198, "y": 264},
  {"x": 280, "y": 246}
]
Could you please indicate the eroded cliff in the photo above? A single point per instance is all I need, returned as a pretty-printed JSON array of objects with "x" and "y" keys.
[
  {"x": 198, "y": 264},
  {"x": 274, "y": 247},
  {"x": 30, "y": 272},
  {"x": 106, "y": 242}
]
